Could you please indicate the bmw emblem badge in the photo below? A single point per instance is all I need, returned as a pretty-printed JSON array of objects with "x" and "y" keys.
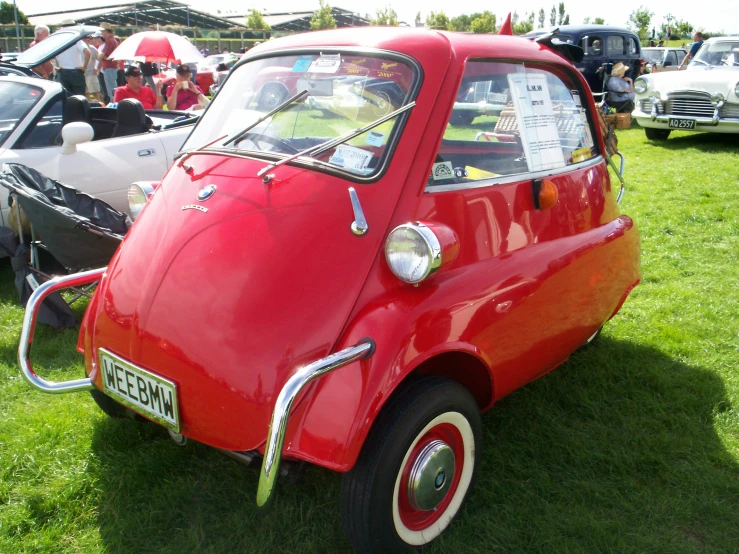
[{"x": 206, "y": 192}]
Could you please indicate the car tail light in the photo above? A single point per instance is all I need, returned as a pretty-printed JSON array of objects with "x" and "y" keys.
[
  {"x": 139, "y": 195},
  {"x": 414, "y": 251}
]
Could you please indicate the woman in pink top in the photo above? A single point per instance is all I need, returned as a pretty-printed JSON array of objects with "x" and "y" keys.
[{"x": 184, "y": 93}]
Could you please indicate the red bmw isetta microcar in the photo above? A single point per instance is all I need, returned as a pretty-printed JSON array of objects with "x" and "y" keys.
[{"x": 345, "y": 278}]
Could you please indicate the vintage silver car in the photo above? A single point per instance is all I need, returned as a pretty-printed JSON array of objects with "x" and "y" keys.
[
  {"x": 703, "y": 98},
  {"x": 661, "y": 58}
]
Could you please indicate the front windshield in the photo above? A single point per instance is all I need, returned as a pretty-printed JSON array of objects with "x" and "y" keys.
[
  {"x": 723, "y": 53},
  {"x": 43, "y": 49},
  {"x": 16, "y": 100},
  {"x": 344, "y": 92}
]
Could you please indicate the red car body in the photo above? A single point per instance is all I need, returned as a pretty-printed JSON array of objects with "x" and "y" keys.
[{"x": 228, "y": 304}]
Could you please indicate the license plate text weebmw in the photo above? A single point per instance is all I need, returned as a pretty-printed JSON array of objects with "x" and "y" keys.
[{"x": 140, "y": 390}]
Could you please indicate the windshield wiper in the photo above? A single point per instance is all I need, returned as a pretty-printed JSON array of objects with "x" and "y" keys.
[
  {"x": 287, "y": 102},
  {"x": 322, "y": 147}
]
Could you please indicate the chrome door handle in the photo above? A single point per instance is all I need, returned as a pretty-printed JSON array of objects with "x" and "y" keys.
[
  {"x": 359, "y": 225},
  {"x": 146, "y": 152}
]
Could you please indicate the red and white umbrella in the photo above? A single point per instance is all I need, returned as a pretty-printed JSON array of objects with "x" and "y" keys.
[{"x": 157, "y": 46}]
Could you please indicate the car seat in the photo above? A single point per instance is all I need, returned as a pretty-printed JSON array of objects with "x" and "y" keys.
[
  {"x": 77, "y": 109},
  {"x": 130, "y": 118}
]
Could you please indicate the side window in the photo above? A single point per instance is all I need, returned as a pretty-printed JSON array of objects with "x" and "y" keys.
[
  {"x": 512, "y": 119},
  {"x": 633, "y": 47},
  {"x": 615, "y": 45},
  {"x": 48, "y": 129},
  {"x": 671, "y": 58},
  {"x": 592, "y": 45}
]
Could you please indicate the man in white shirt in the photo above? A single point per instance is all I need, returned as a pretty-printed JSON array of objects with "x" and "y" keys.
[
  {"x": 72, "y": 64},
  {"x": 91, "y": 75}
]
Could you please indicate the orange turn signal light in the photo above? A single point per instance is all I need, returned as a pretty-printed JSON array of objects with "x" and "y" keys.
[{"x": 545, "y": 194}]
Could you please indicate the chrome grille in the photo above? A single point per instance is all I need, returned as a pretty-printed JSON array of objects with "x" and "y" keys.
[
  {"x": 690, "y": 105},
  {"x": 646, "y": 107},
  {"x": 730, "y": 111}
]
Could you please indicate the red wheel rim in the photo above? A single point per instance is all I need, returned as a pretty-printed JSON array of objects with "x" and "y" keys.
[{"x": 413, "y": 518}]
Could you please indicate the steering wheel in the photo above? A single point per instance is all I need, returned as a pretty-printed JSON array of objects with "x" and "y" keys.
[{"x": 259, "y": 137}]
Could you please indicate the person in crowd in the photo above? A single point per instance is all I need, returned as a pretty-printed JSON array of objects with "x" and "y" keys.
[
  {"x": 652, "y": 44},
  {"x": 46, "y": 69},
  {"x": 641, "y": 68},
  {"x": 620, "y": 89},
  {"x": 72, "y": 64},
  {"x": 661, "y": 43},
  {"x": 91, "y": 74},
  {"x": 184, "y": 94},
  {"x": 697, "y": 43},
  {"x": 148, "y": 70},
  {"x": 108, "y": 67},
  {"x": 205, "y": 51},
  {"x": 151, "y": 99}
]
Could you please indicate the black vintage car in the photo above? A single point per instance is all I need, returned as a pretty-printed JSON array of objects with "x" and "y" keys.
[{"x": 601, "y": 44}]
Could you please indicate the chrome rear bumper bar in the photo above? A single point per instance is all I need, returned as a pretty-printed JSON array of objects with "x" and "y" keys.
[
  {"x": 281, "y": 412},
  {"x": 29, "y": 324}
]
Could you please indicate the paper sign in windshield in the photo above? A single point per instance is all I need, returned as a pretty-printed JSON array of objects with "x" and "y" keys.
[
  {"x": 536, "y": 121},
  {"x": 375, "y": 138},
  {"x": 327, "y": 63},
  {"x": 350, "y": 157},
  {"x": 302, "y": 64}
]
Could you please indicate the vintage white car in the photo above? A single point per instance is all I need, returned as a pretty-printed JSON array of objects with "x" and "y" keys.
[
  {"x": 705, "y": 97},
  {"x": 92, "y": 148}
]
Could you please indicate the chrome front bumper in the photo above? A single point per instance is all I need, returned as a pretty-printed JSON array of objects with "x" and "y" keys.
[
  {"x": 280, "y": 413},
  {"x": 661, "y": 121}
]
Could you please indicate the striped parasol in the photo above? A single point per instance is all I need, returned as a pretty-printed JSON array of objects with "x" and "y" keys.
[{"x": 157, "y": 46}]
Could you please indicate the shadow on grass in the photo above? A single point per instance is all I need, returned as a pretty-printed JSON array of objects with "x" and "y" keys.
[
  {"x": 614, "y": 451},
  {"x": 703, "y": 142}
]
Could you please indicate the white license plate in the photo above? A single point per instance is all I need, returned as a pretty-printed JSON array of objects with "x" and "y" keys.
[
  {"x": 677, "y": 123},
  {"x": 140, "y": 390}
]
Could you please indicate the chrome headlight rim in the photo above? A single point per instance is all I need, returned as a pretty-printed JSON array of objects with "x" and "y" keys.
[
  {"x": 144, "y": 191},
  {"x": 433, "y": 247},
  {"x": 641, "y": 85}
]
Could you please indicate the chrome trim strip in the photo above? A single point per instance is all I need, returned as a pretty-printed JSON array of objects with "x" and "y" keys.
[
  {"x": 514, "y": 178},
  {"x": 281, "y": 413},
  {"x": 359, "y": 225},
  {"x": 29, "y": 323}
]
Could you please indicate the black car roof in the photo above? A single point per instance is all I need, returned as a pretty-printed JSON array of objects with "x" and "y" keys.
[{"x": 582, "y": 30}]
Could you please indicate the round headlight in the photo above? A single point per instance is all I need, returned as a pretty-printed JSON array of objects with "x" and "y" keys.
[
  {"x": 138, "y": 196},
  {"x": 413, "y": 252},
  {"x": 641, "y": 85}
]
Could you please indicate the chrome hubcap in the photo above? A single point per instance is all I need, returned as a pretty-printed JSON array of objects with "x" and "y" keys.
[{"x": 431, "y": 476}]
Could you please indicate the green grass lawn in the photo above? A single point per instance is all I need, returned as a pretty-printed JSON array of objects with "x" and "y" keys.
[{"x": 631, "y": 446}]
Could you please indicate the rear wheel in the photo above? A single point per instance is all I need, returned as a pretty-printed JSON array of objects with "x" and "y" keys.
[
  {"x": 656, "y": 134},
  {"x": 461, "y": 118},
  {"x": 416, "y": 468}
]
